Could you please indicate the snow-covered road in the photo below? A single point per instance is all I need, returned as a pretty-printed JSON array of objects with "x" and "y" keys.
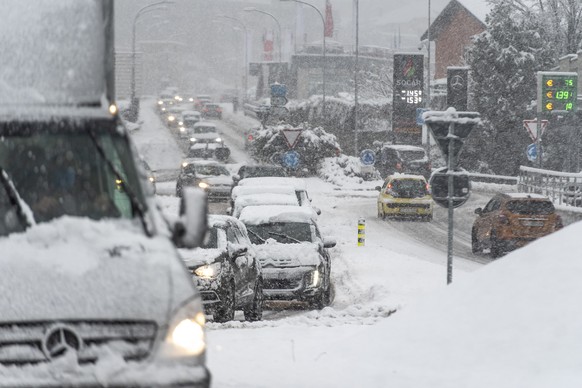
[{"x": 401, "y": 261}]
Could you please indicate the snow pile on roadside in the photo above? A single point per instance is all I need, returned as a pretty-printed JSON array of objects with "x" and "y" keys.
[{"x": 344, "y": 170}]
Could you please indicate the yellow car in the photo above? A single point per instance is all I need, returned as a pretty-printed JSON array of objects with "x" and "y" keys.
[{"x": 404, "y": 195}]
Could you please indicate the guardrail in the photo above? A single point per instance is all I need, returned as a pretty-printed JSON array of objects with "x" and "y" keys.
[
  {"x": 564, "y": 188},
  {"x": 500, "y": 179}
]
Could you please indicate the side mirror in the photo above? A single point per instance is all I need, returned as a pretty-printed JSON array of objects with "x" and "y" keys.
[
  {"x": 236, "y": 178},
  {"x": 378, "y": 188},
  {"x": 235, "y": 251},
  {"x": 317, "y": 210},
  {"x": 190, "y": 228},
  {"x": 479, "y": 211},
  {"x": 229, "y": 211},
  {"x": 329, "y": 242}
]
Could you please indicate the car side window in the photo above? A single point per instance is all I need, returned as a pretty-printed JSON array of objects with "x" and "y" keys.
[{"x": 492, "y": 205}]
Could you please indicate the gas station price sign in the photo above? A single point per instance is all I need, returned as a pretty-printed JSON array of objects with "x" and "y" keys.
[{"x": 557, "y": 91}]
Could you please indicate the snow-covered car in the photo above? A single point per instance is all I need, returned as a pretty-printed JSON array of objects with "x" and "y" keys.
[
  {"x": 212, "y": 110},
  {"x": 209, "y": 175},
  {"x": 204, "y": 131},
  {"x": 296, "y": 183},
  {"x": 259, "y": 170},
  {"x": 172, "y": 115},
  {"x": 260, "y": 199},
  {"x": 90, "y": 275},
  {"x": 249, "y": 190},
  {"x": 404, "y": 195},
  {"x": 187, "y": 121},
  {"x": 227, "y": 271},
  {"x": 293, "y": 254}
]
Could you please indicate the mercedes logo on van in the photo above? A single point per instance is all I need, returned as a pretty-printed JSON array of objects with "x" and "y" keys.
[{"x": 59, "y": 340}]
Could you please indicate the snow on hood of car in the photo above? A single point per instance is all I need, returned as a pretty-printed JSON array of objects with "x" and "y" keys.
[
  {"x": 206, "y": 136},
  {"x": 200, "y": 256},
  {"x": 75, "y": 268},
  {"x": 275, "y": 254}
]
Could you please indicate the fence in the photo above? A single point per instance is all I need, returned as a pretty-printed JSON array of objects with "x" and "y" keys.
[{"x": 563, "y": 188}]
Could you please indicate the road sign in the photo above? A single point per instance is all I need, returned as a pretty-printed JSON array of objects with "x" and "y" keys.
[
  {"x": 439, "y": 123},
  {"x": 291, "y": 135},
  {"x": 532, "y": 152},
  {"x": 291, "y": 159},
  {"x": 532, "y": 128},
  {"x": 419, "y": 118},
  {"x": 439, "y": 183},
  {"x": 279, "y": 101},
  {"x": 368, "y": 157},
  {"x": 278, "y": 90}
]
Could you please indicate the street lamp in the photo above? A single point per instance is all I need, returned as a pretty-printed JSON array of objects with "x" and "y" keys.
[
  {"x": 324, "y": 50},
  {"x": 357, "y": 17},
  {"x": 246, "y": 77},
  {"x": 148, "y": 8},
  {"x": 253, "y": 9}
]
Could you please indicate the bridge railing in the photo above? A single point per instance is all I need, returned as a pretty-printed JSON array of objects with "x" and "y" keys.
[{"x": 563, "y": 188}]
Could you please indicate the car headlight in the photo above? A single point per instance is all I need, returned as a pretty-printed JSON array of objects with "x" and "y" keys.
[
  {"x": 191, "y": 99},
  {"x": 185, "y": 336},
  {"x": 171, "y": 118},
  {"x": 218, "y": 140},
  {"x": 184, "y": 164},
  {"x": 152, "y": 179},
  {"x": 193, "y": 139},
  {"x": 160, "y": 102},
  {"x": 182, "y": 129},
  {"x": 203, "y": 185},
  {"x": 314, "y": 278},
  {"x": 180, "y": 123},
  {"x": 208, "y": 271},
  {"x": 163, "y": 109}
]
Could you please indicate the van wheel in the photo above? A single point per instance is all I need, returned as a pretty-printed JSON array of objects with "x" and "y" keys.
[
  {"x": 225, "y": 312},
  {"x": 475, "y": 245},
  {"x": 254, "y": 311}
]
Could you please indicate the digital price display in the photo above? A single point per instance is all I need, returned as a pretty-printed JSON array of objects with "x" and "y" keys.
[
  {"x": 411, "y": 96},
  {"x": 557, "y": 92}
]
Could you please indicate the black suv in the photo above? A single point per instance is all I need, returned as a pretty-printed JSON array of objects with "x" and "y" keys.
[
  {"x": 227, "y": 272},
  {"x": 401, "y": 158}
]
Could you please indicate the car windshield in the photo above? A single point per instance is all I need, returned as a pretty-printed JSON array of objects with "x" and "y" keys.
[
  {"x": 202, "y": 169},
  {"x": 283, "y": 232},
  {"x": 204, "y": 130},
  {"x": 530, "y": 207},
  {"x": 408, "y": 188},
  {"x": 409, "y": 156},
  {"x": 60, "y": 172}
]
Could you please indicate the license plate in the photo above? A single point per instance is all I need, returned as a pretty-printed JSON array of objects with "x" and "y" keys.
[
  {"x": 533, "y": 223},
  {"x": 408, "y": 210}
]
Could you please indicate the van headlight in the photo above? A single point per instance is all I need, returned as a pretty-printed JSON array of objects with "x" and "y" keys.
[
  {"x": 208, "y": 271},
  {"x": 218, "y": 140},
  {"x": 203, "y": 185},
  {"x": 185, "y": 336}
]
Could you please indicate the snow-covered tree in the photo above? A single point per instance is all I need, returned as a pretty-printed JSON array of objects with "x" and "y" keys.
[{"x": 504, "y": 61}]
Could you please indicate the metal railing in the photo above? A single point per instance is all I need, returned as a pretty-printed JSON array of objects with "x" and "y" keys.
[{"x": 563, "y": 188}]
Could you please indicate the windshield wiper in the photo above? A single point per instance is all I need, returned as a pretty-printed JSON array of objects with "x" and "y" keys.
[
  {"x": 256, "y": 235},
  {"x": 15, "y": 199},
  {"x": 284, "y": 236},
  {"x": 136, "y": 205}
]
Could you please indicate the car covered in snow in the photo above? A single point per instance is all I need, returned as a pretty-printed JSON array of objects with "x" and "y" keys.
[
  {"x": 209, "y": 175},
  {"x": 260, "y": 199},
  {"x": 405, "y": 196},
  {"x": 227, "y": 271},
  {"x": 402, "y": 158},
  {"x": 511, "y": 220},
  {"x": 187, "y": 121},
  {"x": 259, "y": 170},
  {"x": 293, "y": 254},
  {"x": 296, "y": 183}
]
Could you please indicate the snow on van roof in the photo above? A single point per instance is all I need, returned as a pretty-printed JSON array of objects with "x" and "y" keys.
[
  {"x": 403, "y": 147},
  {"x": 56, "y": 52},
  {"x": 525, "y": 195},
  {"x": 298, "y": 184},
  {"x": 256, "y": 215}
]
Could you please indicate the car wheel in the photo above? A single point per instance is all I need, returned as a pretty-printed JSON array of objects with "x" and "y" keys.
[
  {"x": 428, "y": 218},
  {"x": 495, "y": 249},
  {"x": 254, "y": 312},
  {"x": 475, "y": 245},
  {"x": 225, "y": 312}
]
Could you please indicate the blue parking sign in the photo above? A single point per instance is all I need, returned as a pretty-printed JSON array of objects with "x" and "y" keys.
[
  {"x": 291, "y": 159},
  {"x": 368, "y": 157}
]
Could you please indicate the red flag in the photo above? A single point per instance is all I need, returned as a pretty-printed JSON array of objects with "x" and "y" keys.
[
  {"x": 268, "y": 46},
  {"x": 328, "y": 20}
]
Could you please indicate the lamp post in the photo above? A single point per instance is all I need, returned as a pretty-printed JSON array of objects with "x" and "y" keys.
[
  {"x": 357, "y": 10},
  {"x": 253, "y": 9},
  {"x": 323, "y": 66},
  {"x": 134, "y": 107},
  {"x": 246, "y": 57}
]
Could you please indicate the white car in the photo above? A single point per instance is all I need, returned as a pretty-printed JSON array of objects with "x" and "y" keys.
[
  {"x": 260, "y": 199},
  {"x": 297, "y": 184},
  {"x": 205, "y": 132},
  {"x": 293, "y": 254}
]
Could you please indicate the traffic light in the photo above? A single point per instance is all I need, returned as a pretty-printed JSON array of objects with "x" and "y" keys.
[{"x": 557, "y": 91}]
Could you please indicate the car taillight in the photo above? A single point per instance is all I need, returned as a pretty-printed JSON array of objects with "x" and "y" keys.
[
  {"x": 503, "y": 220},
  {"x": 250, "y": 137},
  {"x": 559, "y": 222},
  {"x": 205, "y": 109},
  {"x": 428, "y": 188},
  {"x": 219, "y": 110}
]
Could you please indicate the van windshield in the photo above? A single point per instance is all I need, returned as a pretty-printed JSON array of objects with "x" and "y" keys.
[{"x": 61, "y": 172}]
